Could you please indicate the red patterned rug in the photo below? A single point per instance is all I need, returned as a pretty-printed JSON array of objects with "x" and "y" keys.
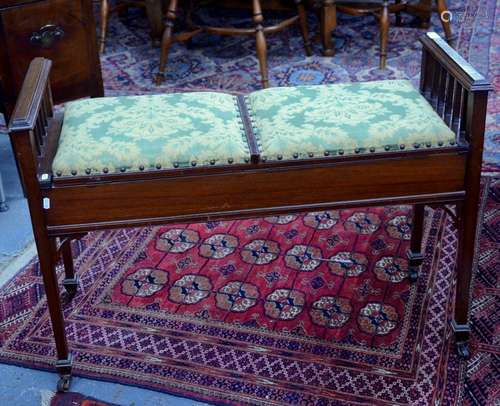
[{"x": 310, "y": 309}]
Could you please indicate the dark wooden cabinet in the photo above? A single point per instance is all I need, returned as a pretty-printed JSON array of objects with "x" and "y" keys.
[{"x": 60, "y": 30}]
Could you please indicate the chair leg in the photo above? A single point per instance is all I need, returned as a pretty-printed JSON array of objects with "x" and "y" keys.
[
  {"x": 104, "y": 24},
  {"x": 328, "y": 23},
  {"x": 260, "y": 42},
  {"x": 70, "y": 281},
  {"x": 444, "y": 16},
  {"x": 167, "y": 40},
  {"x": 398, "y": 15},
  {"x": 415, "y": 253},
  {"x": 304, "y": 27},
  {"x": 47, "y": 252},
  {"x": 384, "y": 32}
]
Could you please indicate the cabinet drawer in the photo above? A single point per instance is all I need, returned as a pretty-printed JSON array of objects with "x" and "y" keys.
[{"x": 62, "y": 31}]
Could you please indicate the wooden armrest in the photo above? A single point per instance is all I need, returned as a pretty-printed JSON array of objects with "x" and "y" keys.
[
  {"x": 454, "y": 63},
  {"x": 30, "y": 123},
  {"x": 34, "y": 92},
  {"x": 457, "y": 92}
]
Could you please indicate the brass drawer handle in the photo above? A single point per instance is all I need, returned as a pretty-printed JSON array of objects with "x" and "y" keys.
[{"x": 47, "y": 35}]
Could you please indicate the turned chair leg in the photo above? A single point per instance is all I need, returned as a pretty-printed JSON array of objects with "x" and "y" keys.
[
  {"x": 70, "y": 281},
  {"x": 303, "y": 26},
  {"x": 104, "y": 24},
  {"x": 415, "y": 253},
  {"x": 328, "y": 23},
  {"x": 167, "y": 40},
  {"x": 444, "y": 16},
  {"x": 260, "y": 42},
  {"x": 384, "y": 33}
]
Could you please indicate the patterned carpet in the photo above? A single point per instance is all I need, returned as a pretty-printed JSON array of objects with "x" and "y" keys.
[
  {"x": 271, "y": 311},
  {"x": 297, "y": 309}
]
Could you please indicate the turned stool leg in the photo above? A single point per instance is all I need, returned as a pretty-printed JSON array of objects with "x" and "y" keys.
[
  {"x": 384, "y": 32},
  {"x": 303, "y": 26},
  {"x": 327, "y": 25},
  {"x": 415, "y": 253},
  {"x": 167, "y": 40},
  {"x": 444, "y": 16},
  {"x": 260, "y": 43},
  {"x": 104, "y": 24}
]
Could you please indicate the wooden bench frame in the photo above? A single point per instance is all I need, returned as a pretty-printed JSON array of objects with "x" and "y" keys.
[{"x": 64, "y": 208}]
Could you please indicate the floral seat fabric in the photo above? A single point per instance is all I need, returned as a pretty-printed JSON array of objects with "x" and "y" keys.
[
  {"x": 305, "y": 121},
  {"x": 155, "y": 131}
]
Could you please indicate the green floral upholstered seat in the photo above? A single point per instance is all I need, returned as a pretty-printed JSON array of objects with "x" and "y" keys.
[
  {"x": 204, "y": 128},
  {"x": 305, "y": 121},
  {"x": 154, "y": 131}
]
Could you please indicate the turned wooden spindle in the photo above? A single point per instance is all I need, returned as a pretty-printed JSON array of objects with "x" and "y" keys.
[
  {"x": 167, "y": 40},
  {"x": 384, "y": 33},
  {"x": 260, "y": 39}
]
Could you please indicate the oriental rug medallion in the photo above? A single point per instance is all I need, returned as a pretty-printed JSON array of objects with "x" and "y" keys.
[{"x": 303, "y": 309}]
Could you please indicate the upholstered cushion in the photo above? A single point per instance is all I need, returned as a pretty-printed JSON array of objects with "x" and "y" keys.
[
  {"x": 295, "y": 122},
  {"x": 169, "y": 130}
]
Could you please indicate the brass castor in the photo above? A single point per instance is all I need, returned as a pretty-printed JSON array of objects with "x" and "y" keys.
[
  {"x": 64, "y": 383},
  {"x": 71, "y": 286},
  {"x": 463, "y": 350},
  {"x": 413, "y": 274}
]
